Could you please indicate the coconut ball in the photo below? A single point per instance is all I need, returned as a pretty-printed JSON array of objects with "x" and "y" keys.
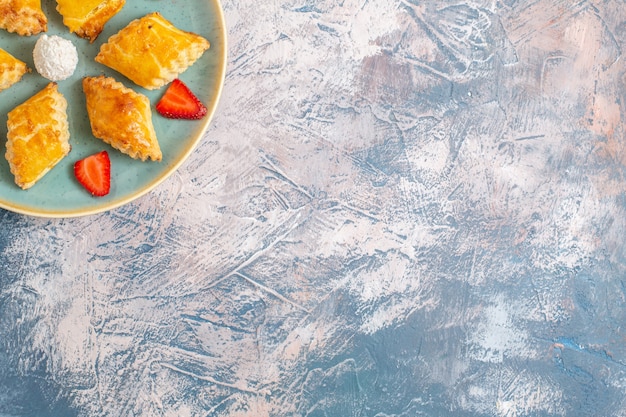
[{"x": 55, "y": 58}]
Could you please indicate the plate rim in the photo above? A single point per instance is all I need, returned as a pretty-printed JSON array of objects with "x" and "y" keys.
[{"x": 193, "y": 143}]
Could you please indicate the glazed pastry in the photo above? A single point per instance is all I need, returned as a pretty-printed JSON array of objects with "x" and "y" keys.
[
  {"x": 11, "y": 69},
  {"x": 121, "y": 117},
  {"x": 38, "y": 136},
  {"x": 151, "y": 51},
  {"x": 23, "y": 17},
  {"x": 87, "y": 18}
]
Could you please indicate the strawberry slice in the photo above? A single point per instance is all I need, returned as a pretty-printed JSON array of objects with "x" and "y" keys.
[
  {"x": 179, "y": 102},
  {"x": 94, "y": 173}
]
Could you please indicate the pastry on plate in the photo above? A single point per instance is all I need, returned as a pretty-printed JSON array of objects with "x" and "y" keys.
[
  {"x": 87, "y": 18},
  {"x": 11, "y": 69},
  {"x": 121, "y": 117},
  {"x": 151, "y": 51},
  {"x": 23, "y": 17},
  {"x": 38, "y": 136}
]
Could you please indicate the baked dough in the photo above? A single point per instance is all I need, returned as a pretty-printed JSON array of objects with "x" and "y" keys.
[
  {"x": 11, "y": 69},
  {"x": 23, "y": 17},
  {"x": 121, "y": 117},
  {"x": 38, "y": 136},
  {"x": 151, "y": 51},
  {"x": 87, "y": 18}
]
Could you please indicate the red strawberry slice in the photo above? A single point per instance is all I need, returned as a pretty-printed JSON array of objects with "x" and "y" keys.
[
  {"x": 179, "y": 102},
  {"x": 94, "y": 173}
]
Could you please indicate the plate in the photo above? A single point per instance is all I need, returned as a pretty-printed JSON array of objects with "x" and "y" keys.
[{"x": 58, "y": 194}]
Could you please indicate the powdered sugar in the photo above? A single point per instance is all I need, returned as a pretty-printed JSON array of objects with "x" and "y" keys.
[{"x": 55, "y": 58}]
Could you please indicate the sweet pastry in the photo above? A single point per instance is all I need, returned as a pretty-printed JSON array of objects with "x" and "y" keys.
[
  {"x": 151, "y": 51},
  {"x": 87, "y": 18},
  {"x": 11, "y": 69},
  {"x": 121, "y": 117},
  {"x": 23, "y": 17},
  {"x": 38, "y": 136}
]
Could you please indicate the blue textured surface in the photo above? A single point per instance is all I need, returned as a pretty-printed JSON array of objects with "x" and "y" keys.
[{"x": 400, "y": 209}]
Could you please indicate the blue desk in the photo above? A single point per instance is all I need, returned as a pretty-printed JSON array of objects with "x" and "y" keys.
[{"x": 400, "y": 209}]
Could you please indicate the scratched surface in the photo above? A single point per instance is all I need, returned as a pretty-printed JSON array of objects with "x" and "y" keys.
[{"x": 401, "y": 208}]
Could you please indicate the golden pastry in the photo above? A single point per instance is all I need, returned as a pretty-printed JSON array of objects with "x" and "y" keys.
[
  {"x": 23, "y": 17},
  {"x": 11, "y": 69},
  {"x": 87, "y": 18},
  {"x": 38, "y": 136},
  {"x": 151, "y": 51},
  {"x": 121, "y": 117}
]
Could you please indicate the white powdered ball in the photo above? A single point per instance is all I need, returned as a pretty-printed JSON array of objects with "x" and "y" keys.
[{"x": 55, "y": 58}]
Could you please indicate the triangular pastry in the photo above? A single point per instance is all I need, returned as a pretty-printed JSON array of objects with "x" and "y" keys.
[
  {"x": 11, "y": 69},
  {"x": 121, "y": 117},
  {"x": 38, "y": 136},
  {"x": 87, "y": 18},
  {"x": 151, "y": 51},
  {"x": 23, "y": 17}
]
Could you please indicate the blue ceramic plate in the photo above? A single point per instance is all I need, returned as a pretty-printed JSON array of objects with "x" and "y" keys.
[{"x": 58, "y": 194}]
